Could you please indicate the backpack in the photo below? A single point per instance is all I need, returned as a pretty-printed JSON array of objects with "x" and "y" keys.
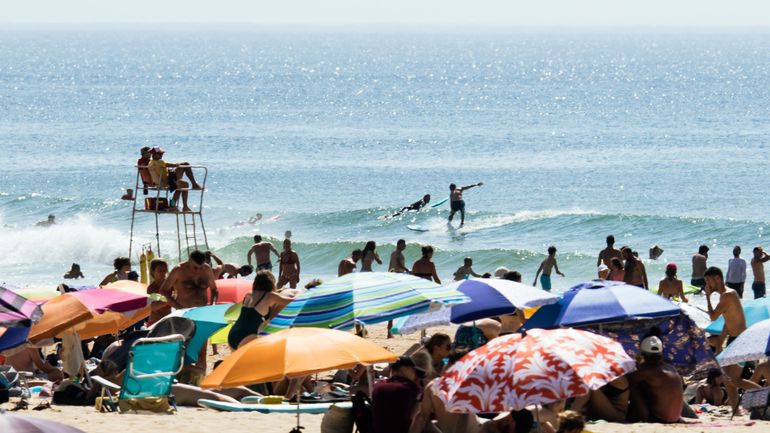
[{"x": 362, "y": 413}]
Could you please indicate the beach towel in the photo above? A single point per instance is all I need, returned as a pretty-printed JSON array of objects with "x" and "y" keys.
[{"x": 72, "y": 353}]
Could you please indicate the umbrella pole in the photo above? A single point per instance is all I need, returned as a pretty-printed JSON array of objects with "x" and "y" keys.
[
  {"x": 537, "y": 417},
  {"x": 299, "y": 394}
]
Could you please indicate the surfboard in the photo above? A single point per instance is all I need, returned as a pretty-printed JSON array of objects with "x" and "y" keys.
[
  {"x": 417, "y": 228},
  {"x": 440, "y": 202},
  {"x": 688, "y": 289},
  {"x": 271, "y": 408}
]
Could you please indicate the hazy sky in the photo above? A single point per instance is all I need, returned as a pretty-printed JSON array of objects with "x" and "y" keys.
[{"x": 578, "y": 13}]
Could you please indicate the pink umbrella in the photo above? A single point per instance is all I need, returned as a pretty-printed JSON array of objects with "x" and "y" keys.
[{"x": 544, "y": 366}]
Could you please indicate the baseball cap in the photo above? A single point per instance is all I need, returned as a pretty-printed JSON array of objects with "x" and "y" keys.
[
  {"x": 652, "y": 345},
  {"x": 157, "y": 149},
  {"x": 405, "y": 361},
  {"x": 671, "y": 266},
  {"x": 603, "y": 268}
]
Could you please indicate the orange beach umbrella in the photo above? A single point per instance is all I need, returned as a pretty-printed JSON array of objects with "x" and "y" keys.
[{"x": 294, "y": 352}]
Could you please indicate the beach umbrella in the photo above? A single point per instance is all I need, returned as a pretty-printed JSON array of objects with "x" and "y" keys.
[
  {"x": 38, "y": 296},
  {"x": 27, "y": 424},
  {"x": 366, "y": 298},
  {"x": 16, "y": 310},
  {"x": 208, "y": 320},
  {"x": 129, "y": 286},
  {"x": 232, "y": 290},
  {"x": 488, "y": 297},
  {"x": 755, "y": 311},
  {"x": 72, "y": 310},
  {"x": 700, "y": 317},
  {"x": 514, "y": 371},
  {"x": 293, "y": 353},
  {"x": 601, "y": 302},
  {"x": 752, "y": 345}
]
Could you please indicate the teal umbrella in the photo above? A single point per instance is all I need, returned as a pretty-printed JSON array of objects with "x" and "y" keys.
[
  {"x": 208, "y": 320},
  {"x": 364, "y": 298},
  {"x": 755, "y": 311}
]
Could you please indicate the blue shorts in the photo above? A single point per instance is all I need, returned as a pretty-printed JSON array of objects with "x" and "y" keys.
[
  {"x": 758, "y": 289},
  {"x": 458, "y": 206},
  {"x": 267, "y": 266},
  {"x": 545, "y": 282}
]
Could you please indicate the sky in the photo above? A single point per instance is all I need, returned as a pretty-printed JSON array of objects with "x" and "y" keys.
[{"x": 498, "y": 13}]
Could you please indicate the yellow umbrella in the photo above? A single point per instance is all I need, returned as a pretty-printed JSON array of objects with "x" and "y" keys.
[
  {"x": 294, "y": 352},
  {"x": 129, "y": 286}
]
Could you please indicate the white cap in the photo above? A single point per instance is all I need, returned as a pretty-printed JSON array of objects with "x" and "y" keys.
[
  {"x": 501, "y": 271},
  {"x": 652, "y": 345},
  {"x": 603, "y": 268}
]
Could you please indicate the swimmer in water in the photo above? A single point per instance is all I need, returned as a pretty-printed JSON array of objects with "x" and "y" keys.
[{"x": 416, "y": 206}]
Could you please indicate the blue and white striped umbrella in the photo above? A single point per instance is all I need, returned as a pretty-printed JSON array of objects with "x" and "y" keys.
[{"x": 752, "y": 345}]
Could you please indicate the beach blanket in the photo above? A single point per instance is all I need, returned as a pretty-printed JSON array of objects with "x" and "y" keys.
[
  {"x": 271, "y": 408},
  {"x": 684, "y": 344}
]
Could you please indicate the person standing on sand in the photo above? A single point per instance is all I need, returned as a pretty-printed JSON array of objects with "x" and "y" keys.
[
  {"x": 288, "y": 272},
  {"x": 545, "y": 267},
  {"x": 699, "y": 266},
  {"x": 187, "y": 286},
  {"x": 671, "y": 286},
  {"x": 456, "y": 202},
  {"x": 369, "y": 255},
  {"x": 758, "y": 268},
  {"x": 348, "y": 264},
  {"x": 424, "y": 266},
  {"x": 606, "y": 255},
  {"x": 736, "y": 272},
  {"x": 261, "y": 251},
  {"x": 397, "y": 260},
  {"x": 635, "y": 274},
  {"x": 730, "y": 308}
]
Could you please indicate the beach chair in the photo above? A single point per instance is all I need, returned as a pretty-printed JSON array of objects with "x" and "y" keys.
[{"x": 152, "y": 365}]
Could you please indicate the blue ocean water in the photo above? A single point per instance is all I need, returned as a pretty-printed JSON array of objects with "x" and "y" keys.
[{"x": 657, "y": 138}]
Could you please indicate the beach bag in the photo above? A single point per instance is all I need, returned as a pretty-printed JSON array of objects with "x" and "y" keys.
[
  {"x": 151, "y": 404},
  {"x": 72, "y": 394},
  {"x": 337, "y": 420},
  {"x": 757, "y": 400},
  {"x": 362, "y": 413}
]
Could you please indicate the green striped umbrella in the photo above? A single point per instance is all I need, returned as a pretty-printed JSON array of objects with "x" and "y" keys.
[{"x": 365, "y": 298}]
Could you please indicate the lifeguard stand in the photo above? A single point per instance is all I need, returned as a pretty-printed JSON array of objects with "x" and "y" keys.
[{"x": 156, "y": 201}]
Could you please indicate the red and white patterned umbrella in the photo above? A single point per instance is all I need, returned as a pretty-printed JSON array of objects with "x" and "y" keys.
[{"x": 515, "y": 371}]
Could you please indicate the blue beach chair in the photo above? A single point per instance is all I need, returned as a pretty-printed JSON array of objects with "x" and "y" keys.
[{"x": 152, "y": 365}]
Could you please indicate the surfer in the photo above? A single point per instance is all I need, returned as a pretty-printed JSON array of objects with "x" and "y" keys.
[
  {"x": 456, "y": 200},
  {"x": 47, "y": 223},
  {"x": 416, "y": 206}
]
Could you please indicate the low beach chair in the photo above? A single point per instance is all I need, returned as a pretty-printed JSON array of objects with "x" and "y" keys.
[{"x": 152, "y": 365}]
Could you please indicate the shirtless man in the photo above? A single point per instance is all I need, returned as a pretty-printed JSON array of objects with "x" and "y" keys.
[
  {"x": 261, "y": 250},
  {"x": 397, "y": 260},
  {"x": 414, "y": 206},
  {"x": 671, "y": 286},
  {"x": 758, "y": 268},
  {"x": 187, "y": 286},
  {"x": 656, "y": 387},
  {"x": 699, "y": 266},
  {"x": 635, "y": 274},
  {"x": 606, "y": 255},
  {"x": 47, "y": 223},
  {"x": 348, "y": 264},
  {"x": 29, "y": 359},
  {"x": 456, "y": 200},
  {"x": 466, "y": 270},
  {"x": 545, "y": 267},
  {"x": 229, "y": 269},
  {"x": 730, "y": 308}
]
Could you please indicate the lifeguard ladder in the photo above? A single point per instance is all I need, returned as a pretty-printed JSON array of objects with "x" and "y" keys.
[{"x": 157, "y": 200}]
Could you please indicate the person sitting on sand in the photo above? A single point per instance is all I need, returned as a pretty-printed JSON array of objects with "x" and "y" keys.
[
  {"x": 517, "y": 421},
  {"x": 288, "y": 271},
  {"x": 571, "y": 422},
  {"x": 438, "y": 347},
  {"x": 368, "y": 256},
  {"x": 257, "y": 308},
  {"x": 713, "y": 390},
  {"x": 74, "y": 272},
  {"x": 348, "y": 264},
  {"x": 730, "y": 308},
  {"x": 657, "y": 389},
  {"x": 394, "y": 400},
  {"x": 424, "y": 266},
  {"x": 397, "y": 260},
  {"x": 432, "y": 408},
  {"x": 634, "y": 272},
  {"x": 466, "y": 270},
  {"x": 671, "y": 286},
  {"x": 48, "y": 222},
  {"x": 169, "y": 175},
  {"x": 545, "y": 267},
  {"x": 456, "y": 202},
  {"x": 419, "y": 204},
  {"x": 548, "y": 415},
  {"x": 227, "y": 270},
  {"x": 606, "y": 255},
  {"x": 29, "y": 359},
  {"x": 261, "y": 251},
  {"x": 617, "y": 272},
  {"x": 608, "y": 403},
  {"x": 122, "y": 267}
]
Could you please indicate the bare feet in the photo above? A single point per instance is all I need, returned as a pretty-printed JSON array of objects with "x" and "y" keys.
[
  {"x": 186, "y": 209},
  {"x": 196, "y": 186}
]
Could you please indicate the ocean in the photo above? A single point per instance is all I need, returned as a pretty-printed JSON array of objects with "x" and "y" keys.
[{"x": 655, "y": 137}]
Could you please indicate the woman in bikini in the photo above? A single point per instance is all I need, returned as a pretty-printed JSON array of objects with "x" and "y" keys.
[
  {"x": 617, "y": 273},
  {"x": 369, "y": 256},
  {"x": 258, "y": 307},
  {"x": 288, "y": 272},
  {"x": 424, "y": 267}
]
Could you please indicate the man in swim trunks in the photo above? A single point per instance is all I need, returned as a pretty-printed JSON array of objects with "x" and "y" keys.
[
  {"x": 606, "y": 255},
  {"x": 397, "y": 260},
  {"x": 758, "y": 268},
  {"x": 261, "y": 250},
  {"x": 545, "y": 267},
  {"x": 414, "y": 206},
  {"x": 635, "y": 273},
  {"x": 657, "y": 388},
  {"x": 187, "y": 286},
  {"x": 456, "y": 202},
  {"x": 699, "y": 266},
  {"x": 730, "y": 308},
  {"x": 348, "y": 264}
]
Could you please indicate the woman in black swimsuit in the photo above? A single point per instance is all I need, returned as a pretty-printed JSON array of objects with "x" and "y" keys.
[
  {"x": 288, "y": 272},
  {"x": 258, "y": 307},
  {"x": 424, "y": 267}
]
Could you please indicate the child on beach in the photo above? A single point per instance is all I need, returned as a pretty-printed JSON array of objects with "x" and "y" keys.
[
  {"x": 466, "y": 270},
  {"x": 545, "y": 267}
]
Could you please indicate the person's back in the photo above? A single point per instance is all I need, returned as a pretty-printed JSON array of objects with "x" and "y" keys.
[
  {"x": 394, "y": 400},
  {"x": 657, "y": 384},
  {"x": 397, "y": 261},
  {"x": 736, "y": 272},
  {"x": 699, "y": 266},
  {"x": 606, "y": 255}
]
